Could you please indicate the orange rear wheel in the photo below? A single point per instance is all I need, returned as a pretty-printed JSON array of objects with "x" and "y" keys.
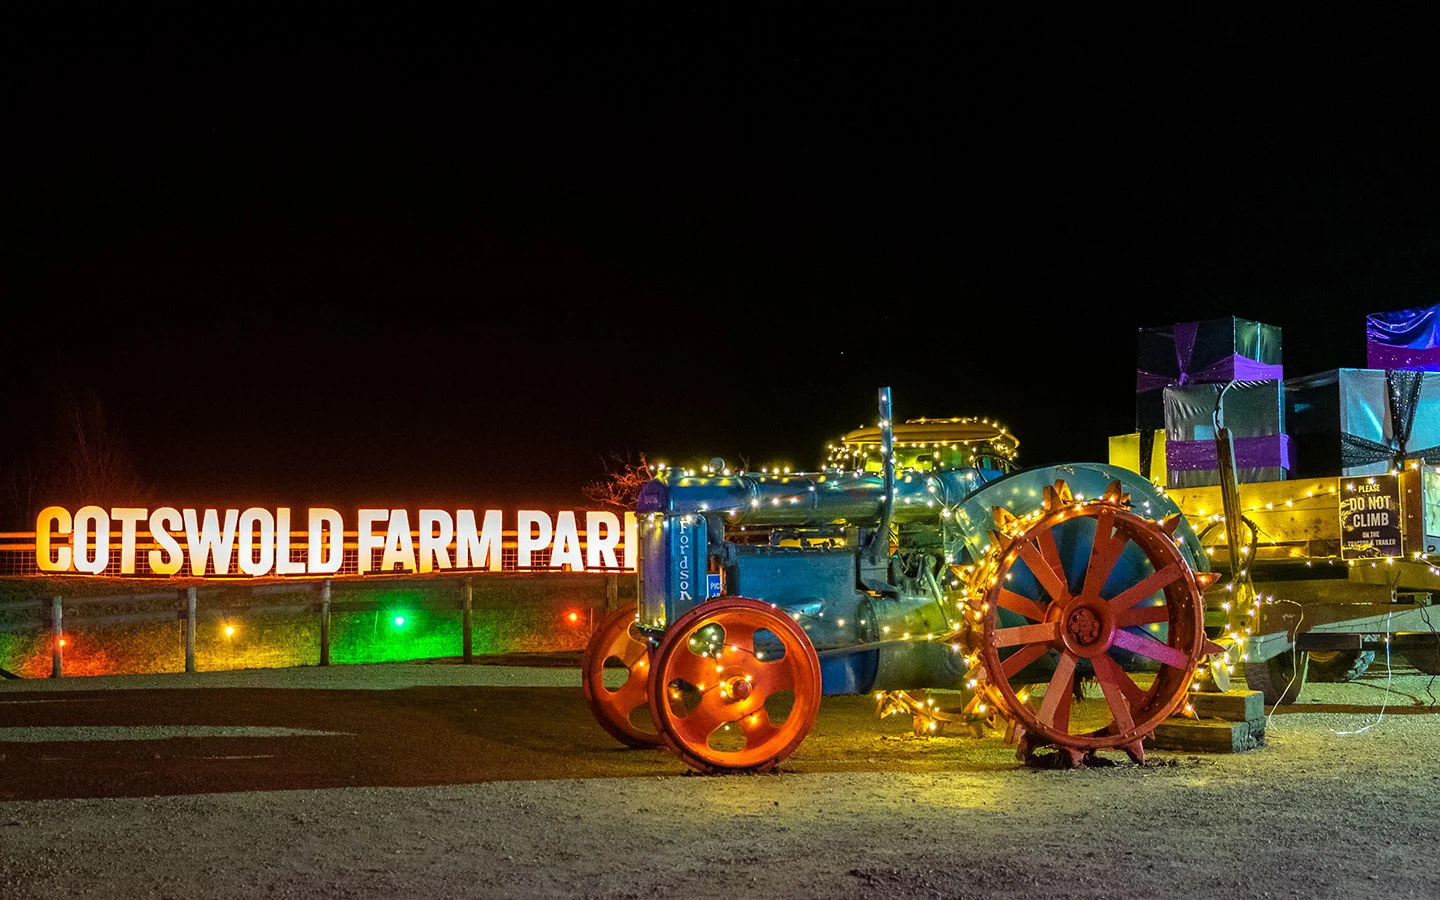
[{"x": 1087, "y": 587}]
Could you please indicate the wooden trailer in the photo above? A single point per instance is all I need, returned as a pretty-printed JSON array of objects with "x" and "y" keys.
[{"x": 1328, "y": 572}]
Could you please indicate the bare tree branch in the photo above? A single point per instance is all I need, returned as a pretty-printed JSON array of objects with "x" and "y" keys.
[{"x": 620, "y": 487}]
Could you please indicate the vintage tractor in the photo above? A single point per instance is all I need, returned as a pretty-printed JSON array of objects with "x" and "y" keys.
[{"x": 1062, "y": 602}]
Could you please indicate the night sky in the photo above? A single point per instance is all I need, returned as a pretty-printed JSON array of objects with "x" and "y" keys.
[{"x": 320, "y": 258}]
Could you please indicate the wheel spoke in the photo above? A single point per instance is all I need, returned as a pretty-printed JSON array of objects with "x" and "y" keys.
[
  {"x": 1104, "y": 552},
  {"x": 1026, "y": 634},
  {"x": 770, "y": 677},
  {"x": 1018, "y": 603},
  {"x": 708, "y": 715},
  {"x": 758, "y": 728},
  {"x": 1050, "y": 552},
  {"x": 630, "y": 695},
  {"x": 1055, "y": 708},
  {"x": 1112, "y": 680},
  {"x": 692, "y": 667},
  {"x": 1140, "y": 590},
  {"x": 1052, "y": 579},
  {"x": 632, "y": 651},
  {"x": 1143, "y": 615},
  {"x": 741, "y": 636},
  {"x": 1022, "y": 658},
  {"x": 1147, "y": 646}
]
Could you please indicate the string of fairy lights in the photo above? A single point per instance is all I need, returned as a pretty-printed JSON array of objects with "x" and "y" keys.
[
  {"x": 860, "y": 452},
  {"x": 965, "y": 605}
]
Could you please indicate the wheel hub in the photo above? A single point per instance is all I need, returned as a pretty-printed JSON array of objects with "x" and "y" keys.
[{"x": 1084, "y": 626}]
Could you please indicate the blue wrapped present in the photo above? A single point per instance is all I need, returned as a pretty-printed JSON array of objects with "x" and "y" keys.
[{"x": 1363, "y": 421}]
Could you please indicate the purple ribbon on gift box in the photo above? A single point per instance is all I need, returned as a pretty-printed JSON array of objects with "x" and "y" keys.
[
  {"x": 1250, "y": 453},
  {"x": 1234, "y": 367}
]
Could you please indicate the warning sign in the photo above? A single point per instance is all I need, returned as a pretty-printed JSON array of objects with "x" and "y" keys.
[{"x": 1370, "y": 517}]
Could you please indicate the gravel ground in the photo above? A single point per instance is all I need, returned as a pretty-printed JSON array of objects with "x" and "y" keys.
[{"x": 1340, "y": 803}]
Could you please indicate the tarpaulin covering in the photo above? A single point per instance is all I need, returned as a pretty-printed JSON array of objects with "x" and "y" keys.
[
  {"x": 1405, "y": 339},
  {"x": 1363, "y": 421},
  {"x": 1255, "y": 416},
  {"x": 1207, "y": 351}
]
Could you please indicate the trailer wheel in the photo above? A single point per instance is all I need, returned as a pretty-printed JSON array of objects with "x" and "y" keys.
[
  {"x": 736, "y": 686},
  {"x": 1424, "y": 654},
  {"x": 1338, "y": 665},
  {"x": 617, "y": 638},
  {"x": 1083, "y": 589},
  {"x": 1276, "y": 679}
]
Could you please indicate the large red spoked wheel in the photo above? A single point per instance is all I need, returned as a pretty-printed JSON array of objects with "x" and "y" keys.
[
  {"x": 618, "y": 638},
  {"x": 736, "y": 686},
  {"x": 1091, "y": 585}
]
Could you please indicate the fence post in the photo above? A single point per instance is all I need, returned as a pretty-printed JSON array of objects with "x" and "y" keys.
[
  {"x": 325, "y": 622},
  {"x": 466, "y": 622},
  {"x": 56, "y": 635},
  {"x": 189, "y": 594}
]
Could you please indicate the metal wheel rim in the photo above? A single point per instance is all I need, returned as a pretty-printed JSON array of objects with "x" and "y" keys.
[
  {"x": 766, "y": 744},
  {"x": 1134, "y": 711}
]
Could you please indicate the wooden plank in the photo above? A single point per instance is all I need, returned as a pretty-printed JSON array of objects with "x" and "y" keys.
[
  {"x": 467, "y": 647},
  {"x": 1232, "y": 706},
  {"x": 1284, "y": 511},
  {"x": 57, "y": 616},
  {"x": 1346, "y": 618},
  {"x": 1207, "y": 736},
  {"x": 325, "y": 622},
  {"x": 1430, "y": 488},
  {"x": 1404, "y": 575},
  {"x": 118, "y": 599},
  {"x": 188, "y": 597}
]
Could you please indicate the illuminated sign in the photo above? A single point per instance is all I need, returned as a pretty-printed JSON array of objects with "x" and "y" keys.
[{"x": 259, "y": 542}]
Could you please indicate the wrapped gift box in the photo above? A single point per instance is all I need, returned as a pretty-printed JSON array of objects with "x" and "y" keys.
[
  {"x": 1362, "y": 421},
  {"x": 1204, "y": 352},
  {"x": 1126, "y": 452},
  {"x": 1255, "y": 416},
  {"x": 1405, "y": 339}
]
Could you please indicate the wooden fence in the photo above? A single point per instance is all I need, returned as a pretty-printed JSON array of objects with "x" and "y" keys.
[{"x": 49, "y": 613}]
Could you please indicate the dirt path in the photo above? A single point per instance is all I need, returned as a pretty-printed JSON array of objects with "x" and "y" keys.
[{"x": 862, "y": 810}]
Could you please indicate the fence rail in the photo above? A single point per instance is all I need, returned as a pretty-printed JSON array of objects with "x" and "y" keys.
[{"x": 49, "y": 614}]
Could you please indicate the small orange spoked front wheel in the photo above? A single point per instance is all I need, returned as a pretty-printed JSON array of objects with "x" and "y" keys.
[
  {"x": 622, "y": 712},
  {"x": 736, "y": 686}
]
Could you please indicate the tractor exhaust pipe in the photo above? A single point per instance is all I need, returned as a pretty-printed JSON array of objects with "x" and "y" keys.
[{"x": 880, "y": 541}]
